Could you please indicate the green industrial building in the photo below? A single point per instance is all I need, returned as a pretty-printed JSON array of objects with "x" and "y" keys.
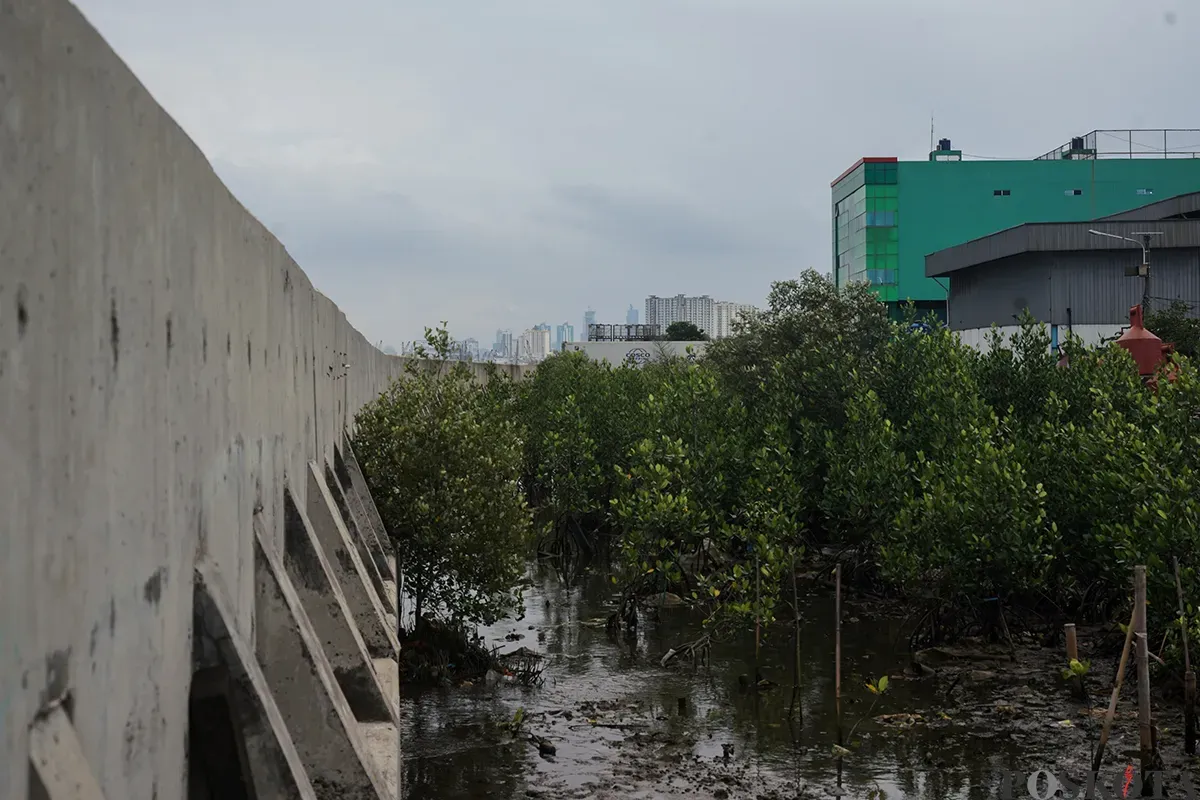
[{"x": 946, "y": 201}]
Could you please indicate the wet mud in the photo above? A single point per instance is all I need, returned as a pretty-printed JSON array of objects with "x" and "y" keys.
[{"x": 613, "y": 723}]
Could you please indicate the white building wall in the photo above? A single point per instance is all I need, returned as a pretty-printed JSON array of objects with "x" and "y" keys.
[
  {"x": 618, "y": 353},
  {"x": 1088, "y": 334}
]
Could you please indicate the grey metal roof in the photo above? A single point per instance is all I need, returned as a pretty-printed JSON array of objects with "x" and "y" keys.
[
  {"x": 1045, "y": 237},
  {"x": 1171, "y": 207}
]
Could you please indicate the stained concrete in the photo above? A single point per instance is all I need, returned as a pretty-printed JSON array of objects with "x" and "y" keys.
[
  {"x": 358, "y": 487},
  {"x": 271, "y": 759},
  {"x": 358, "y": 535},
  {"x": 166, "y": 370},
  {"x": 365, "y": 605},
  {"x": 59, "y": 766},
  {"x": 312, "y": 705},
  {"x": 313, "y": 579},
  {"x": 382, "y": 739},
  {"x": 366, "y": 515}
]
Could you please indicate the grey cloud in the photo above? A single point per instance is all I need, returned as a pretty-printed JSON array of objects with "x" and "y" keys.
[{"x": 647, "y": 225}]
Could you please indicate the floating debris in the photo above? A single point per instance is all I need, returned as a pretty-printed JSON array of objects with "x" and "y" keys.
[{"x": 900, "y": 720}]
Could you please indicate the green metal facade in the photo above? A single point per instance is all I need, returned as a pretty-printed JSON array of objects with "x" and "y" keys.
[{"x": 888, "y": 215}]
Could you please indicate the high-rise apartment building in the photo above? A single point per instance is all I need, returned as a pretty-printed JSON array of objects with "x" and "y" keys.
[
  {"x": 888, "y": 215},
  {"x": 631, "y": 316},
  {"x": 699, "y": 311},
  {"x": 725, "y": 314},
  {"x": 534, "y": 344},
  {"x": 589, "y": 319}
]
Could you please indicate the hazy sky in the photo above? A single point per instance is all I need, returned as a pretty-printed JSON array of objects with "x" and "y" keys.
[{"x": 499, "y": 163}]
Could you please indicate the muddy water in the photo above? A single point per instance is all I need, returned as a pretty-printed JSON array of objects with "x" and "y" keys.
[{"x": 614, "y": 716}]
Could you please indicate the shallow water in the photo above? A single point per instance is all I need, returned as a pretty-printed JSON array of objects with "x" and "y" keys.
[{"x": 454, "y": 747}]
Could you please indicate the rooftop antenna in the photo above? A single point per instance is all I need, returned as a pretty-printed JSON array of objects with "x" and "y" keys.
[{"x": 931, "y": 131}]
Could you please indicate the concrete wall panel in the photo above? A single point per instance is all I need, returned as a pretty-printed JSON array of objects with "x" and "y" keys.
[{"x": 165, "y": 370}]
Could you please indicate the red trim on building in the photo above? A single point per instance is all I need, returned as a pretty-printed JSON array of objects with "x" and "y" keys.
[{"x": 860, "y": 162}]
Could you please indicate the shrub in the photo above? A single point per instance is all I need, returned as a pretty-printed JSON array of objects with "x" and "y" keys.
[{"x": 443, "y": 461}]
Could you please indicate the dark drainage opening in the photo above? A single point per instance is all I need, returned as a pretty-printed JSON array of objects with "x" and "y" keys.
[{"x": 216, "y": 756}]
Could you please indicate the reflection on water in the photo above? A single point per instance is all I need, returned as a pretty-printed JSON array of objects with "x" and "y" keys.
[{"x": 453, "y": 747}]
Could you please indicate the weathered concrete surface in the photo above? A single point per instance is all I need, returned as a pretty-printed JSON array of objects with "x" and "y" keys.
[
  {"x": 382, "y": 739},
  {"x": 311, "y": 703},
  {"x": 367, "y": 516},
  {"x": 313, "y": 579},
  {"x": 357, "y": 535},
  {"x": 58, "y": 761},
  {"x": 165, "y": 370},
  {"x": 364, "y": 603},
  {"x": 275, "y": 767}
]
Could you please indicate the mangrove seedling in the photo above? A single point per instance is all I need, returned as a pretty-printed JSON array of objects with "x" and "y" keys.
[
  {"x": 1076, "y": 669},
  {"x": 876, "y": 687},
  {"x": 518, "y": 721}
]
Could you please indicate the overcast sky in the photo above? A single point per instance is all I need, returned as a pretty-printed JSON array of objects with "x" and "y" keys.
[{"x": 499, "y": 163}]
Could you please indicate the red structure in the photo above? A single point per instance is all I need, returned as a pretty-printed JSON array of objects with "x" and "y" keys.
[{"x": 1148, "y": 350}]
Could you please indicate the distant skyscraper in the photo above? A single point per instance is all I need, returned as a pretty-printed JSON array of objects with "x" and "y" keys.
[
  {"x": 631, "y": 316},
  {"x": 563, "y": 333},
  {"x": 504, "y": 345},
  {"x": 589, "y": 319}
]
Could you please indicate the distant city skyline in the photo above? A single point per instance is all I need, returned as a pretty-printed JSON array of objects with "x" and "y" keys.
[{"x": 717, "y": 324}]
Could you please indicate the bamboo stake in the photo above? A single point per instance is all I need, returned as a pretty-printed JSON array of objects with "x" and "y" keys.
[
  {"x": 1189, "y": 713},
  {"x": 1142, "y": 651},
  {"x": 1012, "y": 647},
  {"x": 757, "y": 608},
  {"x": 796, "y": 706},
  {"x": 1145, "y": 732},
  {"x": 1189, "y": 677},
  {"x": 837, "y": 650},
  {"x": 1116, "y": 691},
  {"x": 757, "y": 615}
]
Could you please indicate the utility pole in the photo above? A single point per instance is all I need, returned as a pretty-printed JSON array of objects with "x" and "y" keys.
[{"x": 1143, "y": 270}]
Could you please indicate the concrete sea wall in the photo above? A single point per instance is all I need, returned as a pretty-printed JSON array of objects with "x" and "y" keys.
[{"x": 185, "y": 540}]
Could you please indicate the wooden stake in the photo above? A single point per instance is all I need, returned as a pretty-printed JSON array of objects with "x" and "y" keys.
[
  {"x": 1072, "y": 643},
  {"x": 837, "y": 650},
  {"x": 1189, "y": 677},
  {"x": 1145, "y": 732},
  {"x": 1116, "y": 691},
  {"x": 1142, "y": 650}
]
